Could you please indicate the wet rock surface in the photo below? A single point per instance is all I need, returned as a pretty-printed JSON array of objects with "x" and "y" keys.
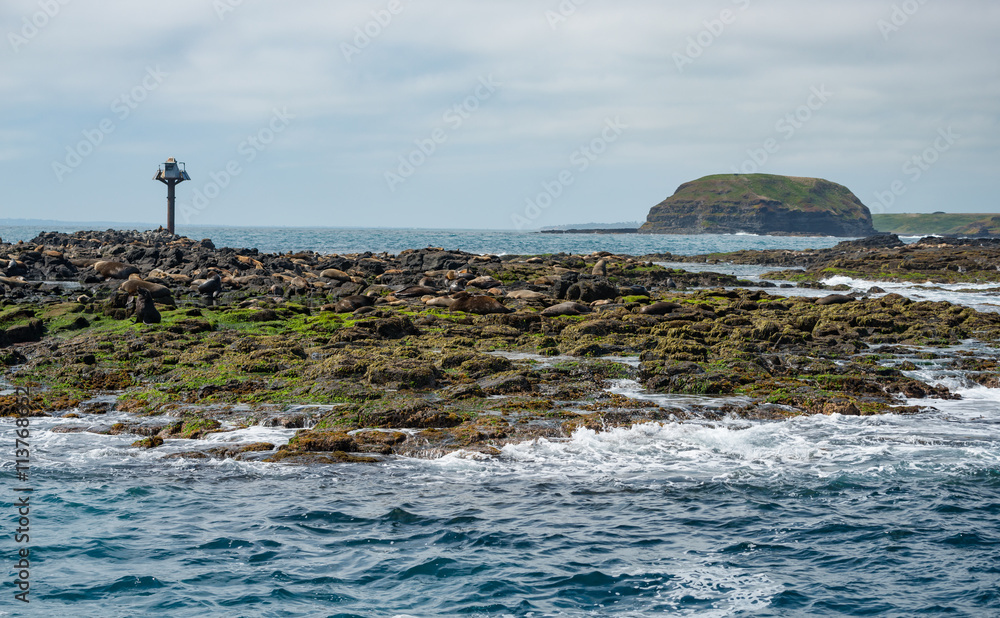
[
  {"x": 369, "y": 356},
  {"x": 881, "y": 258}
]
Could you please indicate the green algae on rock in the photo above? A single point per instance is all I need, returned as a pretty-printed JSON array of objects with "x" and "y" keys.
[{"x": 400, "y": 375}]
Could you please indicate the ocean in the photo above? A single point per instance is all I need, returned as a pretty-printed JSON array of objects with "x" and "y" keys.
[
  {"x": 495, "y": 242},
  {"x": 814, "y": 516}
]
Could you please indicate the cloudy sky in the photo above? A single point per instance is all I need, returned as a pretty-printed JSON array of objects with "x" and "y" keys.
[{"x": 493, "y": 114}]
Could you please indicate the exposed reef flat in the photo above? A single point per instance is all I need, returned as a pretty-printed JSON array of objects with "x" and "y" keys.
[
  {"x": 432, "y": 351},
  {"x": 940, "y": 223},
  {"x": 880, "y": 258}
]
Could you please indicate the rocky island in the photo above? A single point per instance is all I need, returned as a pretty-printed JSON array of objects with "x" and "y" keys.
[
  {"x": 432, "y": 351},
  {"x": 760, "y": 204}
]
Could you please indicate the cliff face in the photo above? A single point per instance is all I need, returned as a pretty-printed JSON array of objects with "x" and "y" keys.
[{"x": 760, "y": 204}]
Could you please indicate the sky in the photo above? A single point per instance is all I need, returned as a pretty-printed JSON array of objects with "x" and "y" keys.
[{"x": 506, "y": 114}]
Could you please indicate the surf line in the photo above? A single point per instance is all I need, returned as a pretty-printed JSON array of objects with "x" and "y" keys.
[{"x": 22, "y": 505}]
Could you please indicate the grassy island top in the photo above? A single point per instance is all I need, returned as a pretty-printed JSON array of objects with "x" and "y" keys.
[{"x": 795, "y": 193}]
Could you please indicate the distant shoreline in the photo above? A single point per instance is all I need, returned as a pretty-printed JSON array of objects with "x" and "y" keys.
[{"x": 594, "y": 231}]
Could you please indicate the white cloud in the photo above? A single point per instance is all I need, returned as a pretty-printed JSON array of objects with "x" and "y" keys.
[{"x": 558, "y": 86}]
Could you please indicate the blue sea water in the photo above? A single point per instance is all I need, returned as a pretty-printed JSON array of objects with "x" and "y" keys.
[
  {"x": 819, "y": 516},
  {"x": 496, "y": 242}
]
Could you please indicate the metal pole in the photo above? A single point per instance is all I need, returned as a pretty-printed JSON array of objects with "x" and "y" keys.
[{"x": 170, "y": 206}]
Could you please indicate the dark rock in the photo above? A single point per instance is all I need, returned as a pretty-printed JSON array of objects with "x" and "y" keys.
[
  {"x": 148, "y": 443},
  {"x": 590, "y": 291},
  {"x": 23, "y": 333},
  {"x": 505, "y": 384},
  {"x": 402, "y": 374},
  {"x": 395, "y": 327},
  {"x": 878, "y": 241}
]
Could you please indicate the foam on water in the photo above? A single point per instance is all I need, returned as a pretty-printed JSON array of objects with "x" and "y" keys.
[
  {"x": 979, "y": 296},
  {"x": 727, "y": 591}
]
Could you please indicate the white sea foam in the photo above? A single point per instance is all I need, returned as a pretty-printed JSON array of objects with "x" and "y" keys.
[
  {"x": 816, "y": 446},
  {"x": 255, "y": 433},
  {"x": 730, "y": 591},
  {"x": 980, "y": 296}
]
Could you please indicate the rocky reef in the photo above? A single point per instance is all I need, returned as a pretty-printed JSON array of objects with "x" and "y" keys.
[
  {"x": 940, "y": 223},
  {"x": 432, "y": 351},
  {"x": 760, "y": 204},
  {"x": 880, "y": 258}
]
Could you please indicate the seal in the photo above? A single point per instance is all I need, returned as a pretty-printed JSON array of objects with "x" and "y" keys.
[
  {"x": 336, "y": 274},
  {"x": 634, "y": 290},
  {"x": 480, "y": 305},
  {"x": 484, "y": 283},
  {"x": 525, "y": 295},
  {"x": 834, "y": 299},
  {"x": 16, "y": 269},
  {"x": 212, "y": 286},
  {"x": 567, "y": 308},
  {"x": 660, "y": 308},
  {"x": 444, "y": 302},
  {"x": 145, "y": 308},
  {"x": 14, "y": 282},
  {"x": 349, "y": 304},
  {"x": 132, "y": 286},
  {"x": 415, "y": 290},
  {"x": 114, "y": 270}
]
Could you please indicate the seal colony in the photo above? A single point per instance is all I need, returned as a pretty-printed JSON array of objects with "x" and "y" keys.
[{"x": 432, "y": 351}]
